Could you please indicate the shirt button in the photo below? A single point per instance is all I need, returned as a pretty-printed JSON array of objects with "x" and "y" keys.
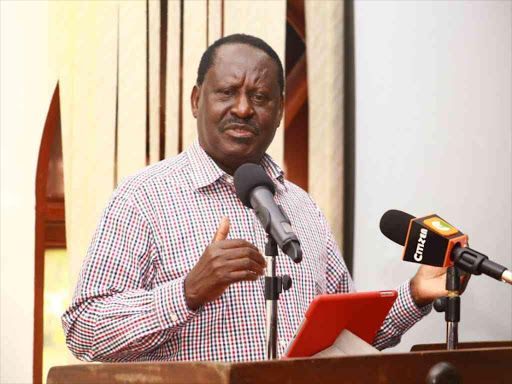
[
  {"x": 283, "y": 343},
  {"x": 174, "y": 317}
]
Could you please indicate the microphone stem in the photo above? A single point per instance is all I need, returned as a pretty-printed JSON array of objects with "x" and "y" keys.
[
  {"x": 452, "y": 335},
  {"x": 452, "y": 312},
  {"x": 271, "y": 314}
]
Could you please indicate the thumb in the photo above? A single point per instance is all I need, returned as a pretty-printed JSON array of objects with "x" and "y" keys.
[{"x": 223, "y": 230}]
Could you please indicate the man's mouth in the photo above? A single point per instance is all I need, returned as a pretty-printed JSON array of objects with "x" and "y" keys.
[{"x": 241, "y": 131}]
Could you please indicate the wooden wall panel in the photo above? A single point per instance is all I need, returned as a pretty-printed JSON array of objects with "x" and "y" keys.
[
  {"x": 131, "y": 125},
  {"x": 325, "y": 97},
  {"x": 85, "y": 38},
  {"x": 154, "y": 79},
  {"x": 194, "y": 44},
  {"x": 172, "y": 99},
  {"x": 215, "y": 20},
  {"x": 62, "y": 31}
]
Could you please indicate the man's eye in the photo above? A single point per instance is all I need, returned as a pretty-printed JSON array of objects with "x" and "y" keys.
[
  {"x": 258, "y": 97},
  {"x": 226, "y": 92}
]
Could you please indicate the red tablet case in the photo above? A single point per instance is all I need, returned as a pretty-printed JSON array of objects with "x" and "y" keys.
[{"x": 362, "y": 313}]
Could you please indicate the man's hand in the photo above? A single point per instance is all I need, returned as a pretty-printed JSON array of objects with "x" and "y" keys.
[
  {"x": 429, "y": 283},
  {"x": 223, "y": 263}
]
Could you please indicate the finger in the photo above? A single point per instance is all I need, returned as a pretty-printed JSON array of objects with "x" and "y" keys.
[
  {"x": 237, "y": 276},
  {"x": 464, "y": 280},
  {"x": 246, "y": 253},
  {"x": 237, "y": 243},
  {"x": 246, "y": 265},
  {"x": 222, "y": 231}
]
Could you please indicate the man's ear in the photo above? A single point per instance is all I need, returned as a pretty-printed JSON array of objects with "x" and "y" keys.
[
  {"x": 194, "y": 100},
  {"x": 281, "y": 110}
]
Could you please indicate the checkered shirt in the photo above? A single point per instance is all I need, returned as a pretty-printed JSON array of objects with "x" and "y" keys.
[{"x": 129, "y": 304}]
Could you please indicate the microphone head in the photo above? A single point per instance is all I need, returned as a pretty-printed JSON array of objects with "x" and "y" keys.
[
  {"x": 394, "y": 224},
  {"x": 249, "y": 176}
]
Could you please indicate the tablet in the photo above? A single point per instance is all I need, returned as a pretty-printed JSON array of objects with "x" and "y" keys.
[{"x": 362, "y": 313}]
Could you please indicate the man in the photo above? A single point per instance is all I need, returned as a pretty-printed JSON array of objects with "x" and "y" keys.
[{"x": 163, "y": 280}]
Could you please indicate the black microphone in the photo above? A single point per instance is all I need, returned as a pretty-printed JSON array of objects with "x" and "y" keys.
[
  {"x": 255, "y": 189},
  {"x": 431, "y": 240}
]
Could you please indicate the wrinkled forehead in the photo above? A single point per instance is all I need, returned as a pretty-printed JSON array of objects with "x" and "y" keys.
[{"x": 240, "y": 61}]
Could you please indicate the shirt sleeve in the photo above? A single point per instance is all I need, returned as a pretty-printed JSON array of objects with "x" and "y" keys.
[
  {"x": 403, "y": 314},
  {"x": 117, "y": 313}
]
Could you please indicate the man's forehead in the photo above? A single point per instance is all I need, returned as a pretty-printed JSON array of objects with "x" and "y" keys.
[{"x": 235, "y": 60}]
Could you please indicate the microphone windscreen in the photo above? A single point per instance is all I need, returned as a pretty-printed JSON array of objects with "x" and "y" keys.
[
  {"x": 249, "y": 176},
  {"x": 394, "y": 224}
]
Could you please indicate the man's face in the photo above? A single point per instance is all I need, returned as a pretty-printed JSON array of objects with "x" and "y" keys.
[{"x": 238, "y": 107}]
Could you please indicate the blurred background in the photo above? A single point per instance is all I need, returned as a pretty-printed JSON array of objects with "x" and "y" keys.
[{"x": 389, "y": 105}]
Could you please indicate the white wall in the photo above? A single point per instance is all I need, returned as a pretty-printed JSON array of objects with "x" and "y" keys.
[
  {"x": 27, "y": 84},
  {"x": 433, "y": 135}
]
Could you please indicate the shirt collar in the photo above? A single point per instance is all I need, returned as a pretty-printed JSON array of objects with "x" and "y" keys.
[{"x": 206, "y": 171}]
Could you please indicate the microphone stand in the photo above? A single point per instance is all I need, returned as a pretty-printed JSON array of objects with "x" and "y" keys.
[
  {"x": 450, "y": 305},
  {"x": 469, "y": 261},
  {"x": 274, "y": 285}
]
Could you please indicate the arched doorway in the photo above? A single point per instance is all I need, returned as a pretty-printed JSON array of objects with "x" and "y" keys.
[{"x": 51, "y": 275}]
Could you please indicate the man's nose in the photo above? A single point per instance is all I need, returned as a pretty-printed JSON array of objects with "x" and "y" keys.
[{"x": 242, "y": 107}]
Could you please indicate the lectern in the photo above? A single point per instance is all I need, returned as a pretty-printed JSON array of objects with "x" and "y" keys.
[{"x": 476, "y": 364}]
